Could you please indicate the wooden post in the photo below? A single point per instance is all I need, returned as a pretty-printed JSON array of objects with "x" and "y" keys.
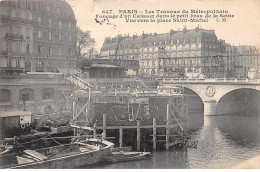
[
  {"x": 95, "y": 130},
  {"x": 121, "y": 136},
  {"x": 104, "y": 124},
  {"x": 138, "y": 135},
  {"x": 167, "y": 127},
  {"x": 74, "y": 111},
  {"x": 154, "y": 134}
]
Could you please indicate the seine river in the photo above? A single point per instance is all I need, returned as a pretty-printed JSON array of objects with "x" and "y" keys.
[{"x": 223, "y": 141}]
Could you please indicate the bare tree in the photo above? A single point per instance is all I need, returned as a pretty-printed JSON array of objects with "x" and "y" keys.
[{"x": 85, "y": 44}]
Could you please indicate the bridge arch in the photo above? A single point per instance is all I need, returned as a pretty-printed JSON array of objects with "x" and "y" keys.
[
  {"x": 239, "y": 100},
  {"x": 224, "y": 91},
  {"x": 195, "y": 102}
]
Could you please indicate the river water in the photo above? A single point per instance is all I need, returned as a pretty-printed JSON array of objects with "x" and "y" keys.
[{"x": 223, "y": 141}]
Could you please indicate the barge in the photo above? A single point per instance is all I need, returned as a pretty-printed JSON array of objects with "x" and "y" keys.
[{"x": 74, "y": 155}]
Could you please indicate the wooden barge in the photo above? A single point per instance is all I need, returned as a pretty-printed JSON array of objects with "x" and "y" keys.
[{"x": 67, "y": 156}]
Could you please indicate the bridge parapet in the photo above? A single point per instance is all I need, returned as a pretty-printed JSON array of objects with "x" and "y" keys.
[
  {"x": 212, "y": 90},
  {"x": 209, "y": 80}
]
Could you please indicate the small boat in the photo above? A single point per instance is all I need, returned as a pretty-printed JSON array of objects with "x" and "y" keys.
[
  {"x": 123, "y": 156},
  {"x": 65, "y": 156},
  {"x": 5, "y": 149},
  {"x": 118, "y": 149}
]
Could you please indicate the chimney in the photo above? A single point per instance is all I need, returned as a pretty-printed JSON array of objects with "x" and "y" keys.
[
  {"x": 184, "y": 29},
  {"x": 144, "y": 35},
  {"x": 172, "y": 32},
  {"x": 155, "y": 34},
  {"x": 197, "y": 28}
]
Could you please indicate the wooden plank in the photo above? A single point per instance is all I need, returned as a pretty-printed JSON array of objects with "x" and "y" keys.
[
  {"x": 104, "y": 125},
  {"x": 81, "y": 127},
  {"x": 95, "y": 130},
  {"x": 138, "y": 135},
  {"x": 120, "y": 137},
  {"x": 154, "y": 134},
  {"x": 22, "y": 160},
  {"x": 165, "y": 135},
  {"x": 133, "y": 127},
  {"x": 174, "y": 143},
  {"x": 35, "y": 154},
  {"x": 167, "y": 127}
]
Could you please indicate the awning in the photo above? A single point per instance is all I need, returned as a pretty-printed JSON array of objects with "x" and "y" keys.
[{"x": 71, "y": 71}]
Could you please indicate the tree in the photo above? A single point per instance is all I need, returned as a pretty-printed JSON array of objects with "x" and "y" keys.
[{"x": 85, "y": 44}]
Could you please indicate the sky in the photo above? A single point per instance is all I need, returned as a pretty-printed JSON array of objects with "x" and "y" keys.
[{"x": 242, "y": 29}]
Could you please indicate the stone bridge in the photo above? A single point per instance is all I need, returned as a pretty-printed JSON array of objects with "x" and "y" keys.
[{"x": 222, "y": 96}]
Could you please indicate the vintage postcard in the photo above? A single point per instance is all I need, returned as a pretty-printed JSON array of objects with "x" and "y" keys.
[{"x": 129, "y": 84}]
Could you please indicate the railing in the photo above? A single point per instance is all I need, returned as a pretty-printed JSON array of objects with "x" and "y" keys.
[
  {"x": 216, "y": 80},
  {"x": 14, "y": 19},
  {"x": 162, "y": 91},
  {"x": 79, "y": 82},
  {"x": 11, "y": 36}
]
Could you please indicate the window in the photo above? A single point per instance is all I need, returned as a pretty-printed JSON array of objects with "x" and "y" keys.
[
  {"x": 9, "y": 46},
  {"x": 47, "y": 93},
  {"x": 60, "y": 36},
  {"x": 58, "y": 10},
  {"x": 39, "y": 34},
  {"x": 60, "y": 51},
  {"x": 50, "y": 22},
  {"x": 17, "y": 47},
  {"x": 5, "y": 95},
  {"x": 9, "y": 63},
  {"x": 50, "y": 50},
  {"x": 39, "y": 21},
  {"x": 37, "y": 7},
  {"x": 178, "y": 41},
  {"x": 48, "y": 8},
  {"x": 69, "y": 37},
  {"x": 28, "y": 6},
  {"x": 39, "y": 49},
  {"x": 17, "y": 62},
  {"x": 50, "y": 35},
  {"x": 26, "y": 94},
  {"x": 70, "y": 52},
  {"x": 60, "y": 25},
  {"x": 197, "y": 46},
  {"x": 39, "y": 64},
  {"x": 69, "y": 26},
  {"x": 27, "y": 48}
]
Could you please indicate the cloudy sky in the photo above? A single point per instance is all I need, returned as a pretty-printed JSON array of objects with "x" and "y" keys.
[{"x": 243, "y": 29}]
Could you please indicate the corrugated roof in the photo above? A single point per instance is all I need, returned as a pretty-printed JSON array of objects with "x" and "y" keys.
[
  {"x": 4, "y": 114},
  {"x": 105, "y": 66}
]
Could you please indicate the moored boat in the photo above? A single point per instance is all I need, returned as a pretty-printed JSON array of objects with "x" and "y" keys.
[
  {"x": 123, "y": 156},
  {"x": 72, "y": 155}
]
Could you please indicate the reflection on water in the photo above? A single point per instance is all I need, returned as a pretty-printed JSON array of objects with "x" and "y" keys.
[{"x": 223, "y": 141}]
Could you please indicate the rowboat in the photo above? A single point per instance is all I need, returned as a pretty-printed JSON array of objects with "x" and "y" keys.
[
  {"x": 123, "y": 156},
  {"x": 64, "y": 156}
]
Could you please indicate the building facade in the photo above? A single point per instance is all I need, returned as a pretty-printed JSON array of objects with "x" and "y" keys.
[
  {"x": 37, "y": 36},
  {"x": 243, "y": 58},
  {"x": 16, "y": 36},
  {"x": 184, "y": 50},
  {"x": 184, "y": 53}
]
